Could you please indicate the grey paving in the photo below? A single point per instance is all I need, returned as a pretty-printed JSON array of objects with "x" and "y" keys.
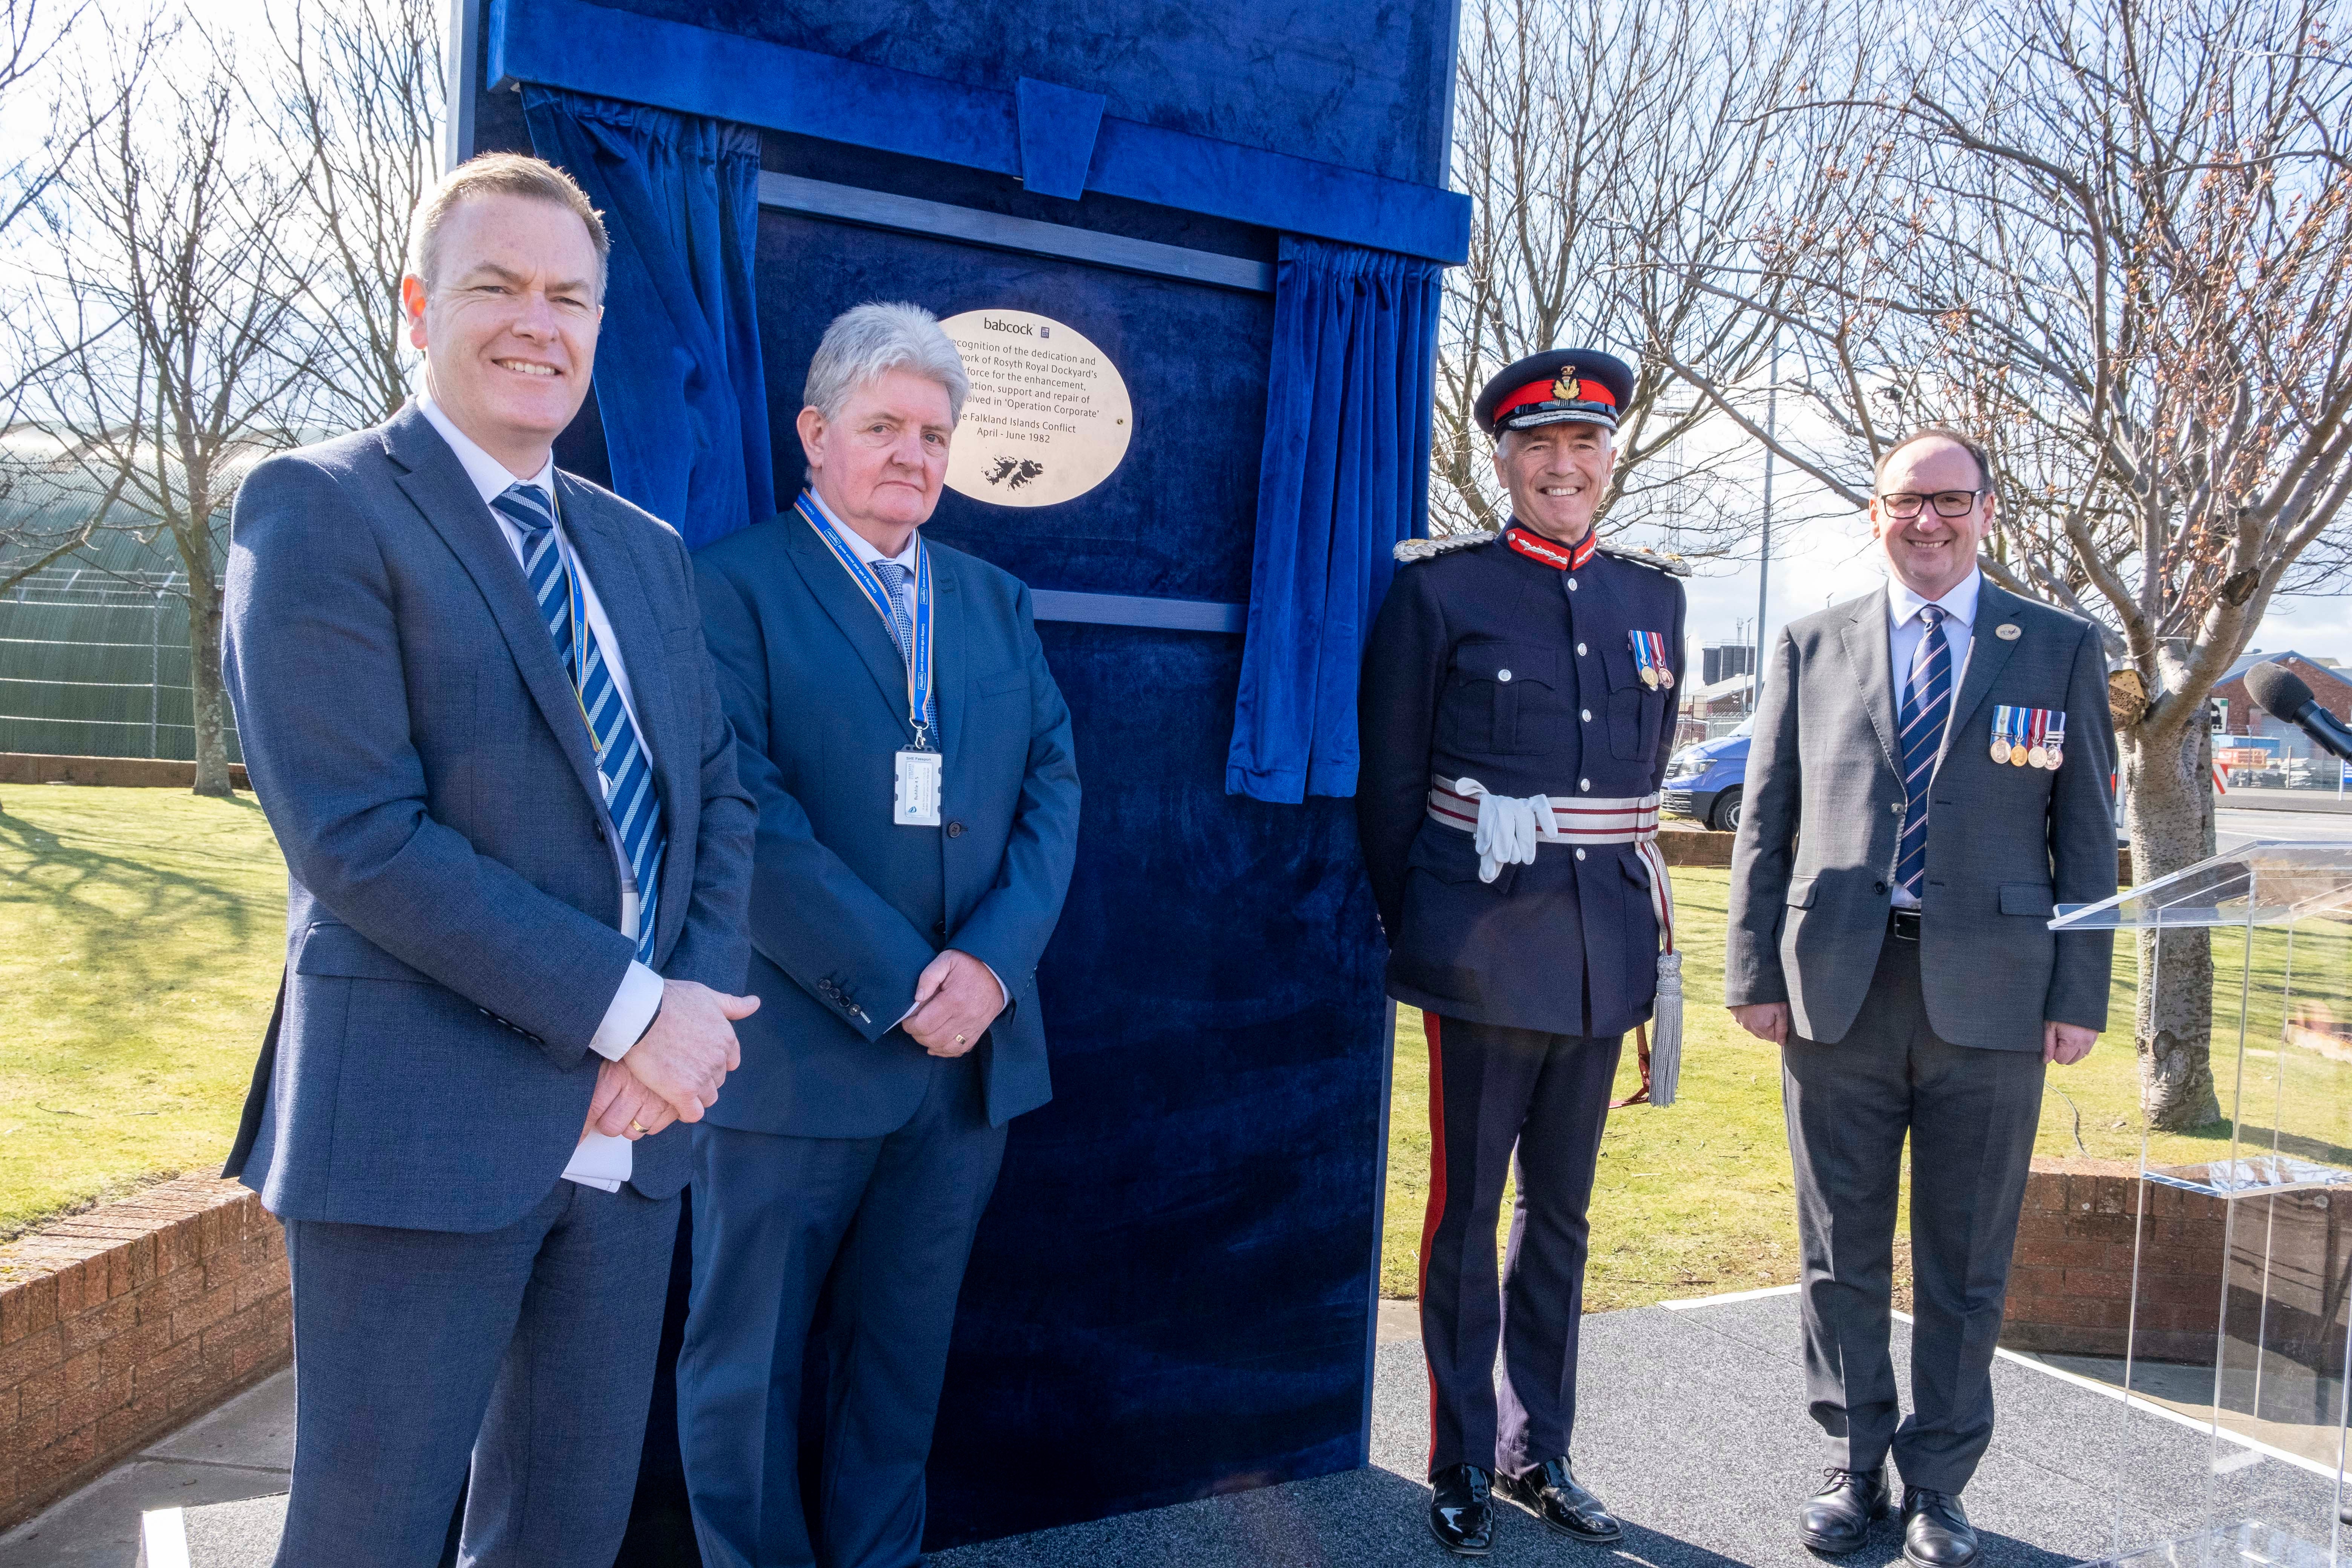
[
  {"x": 1692, "y": 1423},
  {"x": 241, "y": 1451}
]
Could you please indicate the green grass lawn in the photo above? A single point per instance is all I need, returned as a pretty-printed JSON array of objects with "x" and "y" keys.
[
  {"x": 141, "y": 932},
  {"x": 1697, "y": 1199}
]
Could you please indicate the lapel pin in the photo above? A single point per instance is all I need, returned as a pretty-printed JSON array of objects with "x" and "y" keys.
[{"x": 2008, "y": 631}]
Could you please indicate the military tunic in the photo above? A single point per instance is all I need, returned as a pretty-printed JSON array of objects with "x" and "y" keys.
[{"x": 1490, "y": 664}]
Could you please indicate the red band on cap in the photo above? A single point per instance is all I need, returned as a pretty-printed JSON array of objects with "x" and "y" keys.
[{"x": 1541, "y": 391}]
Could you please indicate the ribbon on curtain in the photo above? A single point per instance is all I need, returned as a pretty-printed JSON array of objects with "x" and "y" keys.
[
  {"x": 1343, "y": 479},
  {"x": 677, "y": 367}
]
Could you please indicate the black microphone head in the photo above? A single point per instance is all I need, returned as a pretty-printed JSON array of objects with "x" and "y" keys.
[{"x": 2281, "y": 692}]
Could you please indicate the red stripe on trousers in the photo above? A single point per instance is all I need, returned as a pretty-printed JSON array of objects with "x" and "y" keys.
[{"x": 1436, "y": 1202}]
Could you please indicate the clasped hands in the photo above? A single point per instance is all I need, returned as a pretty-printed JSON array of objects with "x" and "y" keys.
[
  {"x": 2063, "y": 1045},
  {"x": 957, "y": 998},
  {"x": 673, "y": 1072}
]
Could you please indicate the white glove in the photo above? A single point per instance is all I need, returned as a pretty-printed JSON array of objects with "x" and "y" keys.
[{"x": 1508, "y": 827}]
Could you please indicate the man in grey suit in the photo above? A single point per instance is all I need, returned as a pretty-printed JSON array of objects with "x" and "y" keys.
[
  {"x": 474, "y": 698},
  {"x": 1930, "y": 775}
]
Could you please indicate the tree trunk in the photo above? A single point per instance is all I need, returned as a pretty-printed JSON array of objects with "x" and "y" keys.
[
  {"x": 207, "y": 698},
  {"x": 2167, "y": 784}
]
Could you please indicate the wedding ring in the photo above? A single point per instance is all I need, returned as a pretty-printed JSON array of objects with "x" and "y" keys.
[{"x": 639, "y": 1125}]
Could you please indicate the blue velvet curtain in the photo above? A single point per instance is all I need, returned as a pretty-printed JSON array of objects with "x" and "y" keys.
[
  {"x": 677, "y": 371},
  {"x": 1343, "y": 478}
]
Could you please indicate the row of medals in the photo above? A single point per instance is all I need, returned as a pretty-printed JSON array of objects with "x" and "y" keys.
[{"x": 2025, "y": 756}]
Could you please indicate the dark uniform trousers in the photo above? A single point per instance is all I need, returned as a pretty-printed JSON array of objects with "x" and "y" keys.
[
  {"x": 1970, "y": 1115},
  {"x": 1532, "y": 1104}
]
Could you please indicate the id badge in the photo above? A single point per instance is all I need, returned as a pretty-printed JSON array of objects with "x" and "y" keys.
[{"x": 915, "y": 802}]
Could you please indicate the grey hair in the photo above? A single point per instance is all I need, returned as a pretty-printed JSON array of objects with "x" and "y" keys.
[{"x": 874, "y": 339}]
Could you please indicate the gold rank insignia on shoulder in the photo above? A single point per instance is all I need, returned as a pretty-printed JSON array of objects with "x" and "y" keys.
[
  {"x": 1411, "y": 550},
  {"x": 1642, "y": 555}
]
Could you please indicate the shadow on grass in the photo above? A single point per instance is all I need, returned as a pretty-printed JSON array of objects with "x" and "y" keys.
[{"x": 128, "y": 909}]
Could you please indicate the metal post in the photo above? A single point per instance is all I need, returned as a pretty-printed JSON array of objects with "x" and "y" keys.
[
  {"x": 154, "y": 672},
  {"x": 1764, "y": 557}
]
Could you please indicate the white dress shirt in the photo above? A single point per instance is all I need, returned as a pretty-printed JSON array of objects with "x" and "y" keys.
[
  {"x": 864, "y": 550},
  {"x": 1904, "y": 630},
  {"x": 634, "y": 1004}
]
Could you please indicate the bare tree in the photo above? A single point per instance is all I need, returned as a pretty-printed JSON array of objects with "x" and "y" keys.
[
  {"x": 171, "y": 290},
  {"x": 353, "y": 108},
  {"x": 1620, "y": 157},
  {"x": 2113, "y": 236}
]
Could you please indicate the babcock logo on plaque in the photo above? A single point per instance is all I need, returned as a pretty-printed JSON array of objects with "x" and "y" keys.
[{"x": 1048, "y": 417}]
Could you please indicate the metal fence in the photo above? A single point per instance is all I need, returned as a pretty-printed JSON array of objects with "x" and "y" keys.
[{"x": 94, "y": 657}]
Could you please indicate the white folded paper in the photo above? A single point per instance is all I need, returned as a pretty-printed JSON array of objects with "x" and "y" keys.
[{"x": 602, "y": 1160}]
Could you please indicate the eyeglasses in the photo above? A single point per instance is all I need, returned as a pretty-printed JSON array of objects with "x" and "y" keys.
[{"x": 1904, "y": 505}]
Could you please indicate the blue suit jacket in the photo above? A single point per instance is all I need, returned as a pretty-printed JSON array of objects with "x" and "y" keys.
[
  {"x": 846, "y": 906},
  {"x": 451, "y": 937}
]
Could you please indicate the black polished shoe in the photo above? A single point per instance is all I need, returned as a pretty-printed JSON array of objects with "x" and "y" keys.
[
  {"x": 1836, "y": 1519},
  {"x": 1936, "y": 1533},
  {"x": 1462, "y": 1511},
  {"x": 1551, "y": 1493}
]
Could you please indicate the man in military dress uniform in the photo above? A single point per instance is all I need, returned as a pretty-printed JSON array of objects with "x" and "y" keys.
[{"x": 1516, "y": 715}]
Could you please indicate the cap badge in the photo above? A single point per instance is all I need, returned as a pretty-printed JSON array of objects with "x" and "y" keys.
[{"x": 1566, "y": 387}]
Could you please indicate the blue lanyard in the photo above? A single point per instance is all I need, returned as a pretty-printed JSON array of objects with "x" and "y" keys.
[{"x": 918, "y": 657}]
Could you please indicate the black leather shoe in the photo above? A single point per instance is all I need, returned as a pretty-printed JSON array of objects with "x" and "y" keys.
[
  {"x": 1837, "y": 1517},
  {"x": 1551, "y": 1493},
  {"x": 1462, "y": 1511},
  {"x": 1936, "y": 1533}
]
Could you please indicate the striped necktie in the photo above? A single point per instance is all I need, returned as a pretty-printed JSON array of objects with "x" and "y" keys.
[
  {"x": 1927, "y": 708},
  {"x": 894, "y": 582},
  {"x": 621, "y": 763}
]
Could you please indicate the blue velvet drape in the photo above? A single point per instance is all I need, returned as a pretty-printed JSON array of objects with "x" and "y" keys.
[
  {"x": 678, "y": 381},
  {"x": 1343, "y": 478}
]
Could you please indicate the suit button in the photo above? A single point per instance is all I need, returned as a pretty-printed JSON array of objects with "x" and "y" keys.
[
  {"x": 1584, "y": 783},
  {"x": 1878, "y": 887},
  {"x": 955, "y": 830},
  {"x": 1580, "y": 852},
  {"x": 1571, "y": 584},
  {"x": 1588, "y": 715},
  {"x": 1502, "y": 674},
  {"x": 1580, "y": 650}
]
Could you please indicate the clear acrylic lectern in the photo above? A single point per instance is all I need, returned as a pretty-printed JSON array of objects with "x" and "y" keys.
[{"x": 2234, "y": 1356}]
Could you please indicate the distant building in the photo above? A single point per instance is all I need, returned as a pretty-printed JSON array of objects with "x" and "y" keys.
[
  {"x": 1721, "y": 661},
  {"x": 2242, "y": 716},
  {"x": 1718, "y": 698}
]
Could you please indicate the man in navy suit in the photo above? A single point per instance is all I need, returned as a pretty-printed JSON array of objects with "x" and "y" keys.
[
  {"x": 474, "y": 698},
  {"x": 919, "y": 811}
]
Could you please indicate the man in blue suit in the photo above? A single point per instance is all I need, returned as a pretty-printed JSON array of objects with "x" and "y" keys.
[
  {"x": 918, "y": 810},
  {"x": 474, "y": 698}
]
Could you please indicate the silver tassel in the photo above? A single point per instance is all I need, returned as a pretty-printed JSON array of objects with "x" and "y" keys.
[{"x": 1666, "y": 1031}]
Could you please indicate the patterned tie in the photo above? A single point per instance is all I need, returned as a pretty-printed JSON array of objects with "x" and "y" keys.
[
  {"x": 1927, "y": 708},
  {"x": 621, "y": 763},
  {"x": 894, "y": 582}
]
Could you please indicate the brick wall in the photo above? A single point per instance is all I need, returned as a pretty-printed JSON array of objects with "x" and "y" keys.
[
  {"x": 2070, "y": 1287},
  {"x": 38, "y": 768},
  {"x": 121, "y": 1323}
]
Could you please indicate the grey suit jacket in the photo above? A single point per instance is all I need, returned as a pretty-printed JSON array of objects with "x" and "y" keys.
[
  {"x": 451, "y": 934},
  {"x": 1811, "y": 869}
]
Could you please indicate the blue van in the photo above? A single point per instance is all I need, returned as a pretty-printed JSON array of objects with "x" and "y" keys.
[{"x": 1706, "y": 779}]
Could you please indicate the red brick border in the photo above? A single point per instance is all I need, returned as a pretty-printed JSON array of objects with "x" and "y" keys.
[
  {"x": 120, "y": 1324},
  {"x": 2070, "y": 1287},
  {"x": 41, "y": 768}
]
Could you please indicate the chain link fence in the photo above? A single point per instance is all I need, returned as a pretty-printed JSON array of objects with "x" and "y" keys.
[{"x": 94, "y": 657}]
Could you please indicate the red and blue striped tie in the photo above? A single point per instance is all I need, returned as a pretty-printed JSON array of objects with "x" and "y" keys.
[
  {"x": 621, "y": 762},
  {"x": 1926, "y": 707}
]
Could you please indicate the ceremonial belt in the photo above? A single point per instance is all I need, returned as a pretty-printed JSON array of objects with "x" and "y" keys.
[{"x": 1507, "y": 830}]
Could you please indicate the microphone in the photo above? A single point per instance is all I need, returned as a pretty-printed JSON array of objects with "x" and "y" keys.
[{"x": 2283, "y": 695}]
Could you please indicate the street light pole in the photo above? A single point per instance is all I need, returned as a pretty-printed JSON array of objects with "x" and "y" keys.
[{"x": 1764, "y": 558}]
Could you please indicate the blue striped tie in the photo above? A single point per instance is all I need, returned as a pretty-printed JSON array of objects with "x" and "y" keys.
[
  {"x": 1927, "y": 708},
  {"x": 894, "y": 580},
  {"x": 621, "y": 763}
]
